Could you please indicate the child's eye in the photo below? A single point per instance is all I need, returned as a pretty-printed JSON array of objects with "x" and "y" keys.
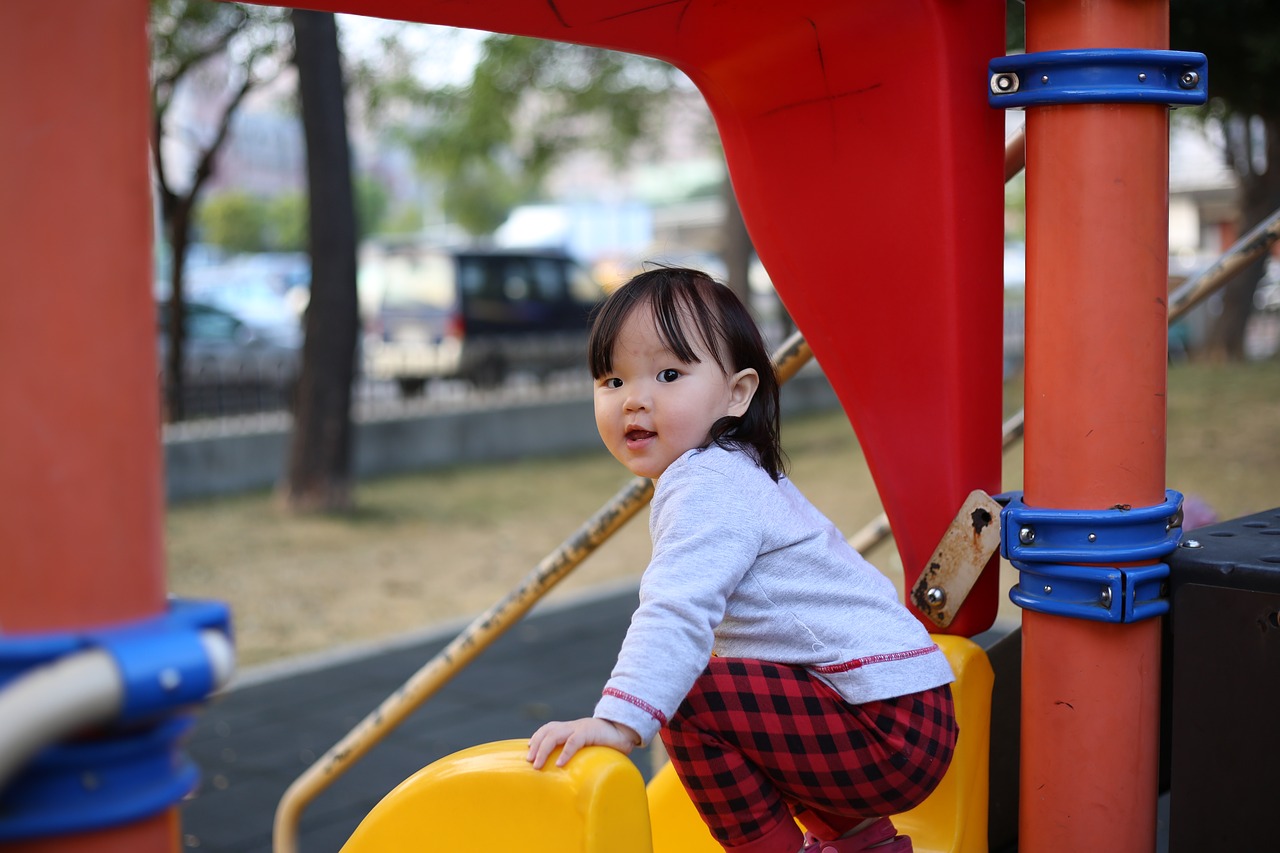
[
  {"x": 668, "y": 375},
  {"x": 611, "y": 382}
]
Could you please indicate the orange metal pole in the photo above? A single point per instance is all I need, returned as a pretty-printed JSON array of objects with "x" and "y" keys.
[
  {"x": 1097, "y": 265},
  {"x": 81, "y": 507}
]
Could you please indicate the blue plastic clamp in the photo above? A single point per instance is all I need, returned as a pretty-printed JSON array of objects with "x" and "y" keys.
[
  {"x": 1104, "y": 76},
  {"x": 1071, "y": 562},
  {"x": 99, "y": 784},
  {"x": 135, "y": 768}
]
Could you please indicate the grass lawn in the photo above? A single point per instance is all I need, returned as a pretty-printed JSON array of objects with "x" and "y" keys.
[{"x": 440, "y": 546}]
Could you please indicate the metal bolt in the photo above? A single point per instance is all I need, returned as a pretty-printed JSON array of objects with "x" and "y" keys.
[
  {"x": 1175, "y": 520},
  {"x": 1191, "y": 543},
  {"x": 1106, "y": 597},
  {"x": 170, "y": 678},
  {"x": 935, "y": 596},
  {"x": 1189, "y": 79},
  {"x": 1142, "y": 77},
  {"x": 1026, "y": 536},
  {"x": 1093, "y": 537},
  {"x": 1048, "y": 590},
  {"x": 1004, "y": 83},
  {"x": 1044, "y": 79}
]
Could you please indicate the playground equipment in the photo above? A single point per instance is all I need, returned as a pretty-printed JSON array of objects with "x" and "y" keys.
[
  {"x": 819, "y": 102},
  {"x": 604, "y": 807}
]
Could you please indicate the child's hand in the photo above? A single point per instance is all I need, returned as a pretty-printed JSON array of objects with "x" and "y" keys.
[{"x": 589, "y": 731}]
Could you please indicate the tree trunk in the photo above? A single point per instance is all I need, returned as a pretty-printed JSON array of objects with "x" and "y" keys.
[
  {"x": 736, "y": 249},
  {"x": 178, "y": 224},
  {"x": 319, "y": 466},
  {"x": 736, "y": 246},
  {"x": 1259, "y": 198}
]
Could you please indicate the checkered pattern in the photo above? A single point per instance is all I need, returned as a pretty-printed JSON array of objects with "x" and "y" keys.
[{"x": 757, "y": 742}]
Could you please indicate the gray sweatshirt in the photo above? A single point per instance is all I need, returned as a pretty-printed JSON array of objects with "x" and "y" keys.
[{"x": 745, "y": 567}]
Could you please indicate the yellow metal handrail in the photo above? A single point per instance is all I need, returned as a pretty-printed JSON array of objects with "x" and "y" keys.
[{"x": 1243, "y": 252}]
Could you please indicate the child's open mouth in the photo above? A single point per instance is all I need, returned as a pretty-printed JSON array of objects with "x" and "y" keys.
[{"x": 636, "y": 435}]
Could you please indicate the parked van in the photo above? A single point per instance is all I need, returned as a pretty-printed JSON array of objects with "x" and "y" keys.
[{"x": 474, "y": 314}]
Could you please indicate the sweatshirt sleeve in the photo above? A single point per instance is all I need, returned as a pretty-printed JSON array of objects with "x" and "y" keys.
[{"x": 704, "y": 541}]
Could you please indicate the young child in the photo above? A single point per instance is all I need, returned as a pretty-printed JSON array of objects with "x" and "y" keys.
[{"x": 785, "y": 676}]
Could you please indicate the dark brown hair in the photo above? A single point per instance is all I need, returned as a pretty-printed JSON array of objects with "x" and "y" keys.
[{"x": 675, "y": 297}]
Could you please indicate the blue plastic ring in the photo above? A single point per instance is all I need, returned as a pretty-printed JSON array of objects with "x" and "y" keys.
[{"x": 1103, "y": 76}]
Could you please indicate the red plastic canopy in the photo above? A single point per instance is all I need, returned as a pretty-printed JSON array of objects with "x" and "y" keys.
[{"x": 869, "y": 169}]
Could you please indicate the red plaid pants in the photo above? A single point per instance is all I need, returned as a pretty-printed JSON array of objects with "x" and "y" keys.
[{"x": 758, "y": 743}]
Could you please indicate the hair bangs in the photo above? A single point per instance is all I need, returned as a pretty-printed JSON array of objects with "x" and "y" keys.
[
  {"x": 674, "y": 308},
  {"x": 672, "y": 303}
]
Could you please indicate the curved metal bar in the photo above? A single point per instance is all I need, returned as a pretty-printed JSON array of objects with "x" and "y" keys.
[
  {"x": 53, "y": 701},
  {"x": 1015, "y": 153},
  {"x": 1243, "y": 252}
]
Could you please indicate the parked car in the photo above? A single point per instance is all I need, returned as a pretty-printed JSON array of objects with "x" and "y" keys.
[
  {"x": 253, "y": 292},
  {"x": 473, "y": 314},
  {"x": 231, "y": 365}
]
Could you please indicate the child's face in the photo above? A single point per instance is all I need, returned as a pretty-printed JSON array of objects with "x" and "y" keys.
[{"x": 653, "y": 407}]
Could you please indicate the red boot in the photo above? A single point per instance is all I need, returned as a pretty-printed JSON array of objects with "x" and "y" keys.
[{"x": 877, "y": 837}]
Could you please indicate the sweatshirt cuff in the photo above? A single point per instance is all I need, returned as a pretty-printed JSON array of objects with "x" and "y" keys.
[{"x": 631, "y": 711}]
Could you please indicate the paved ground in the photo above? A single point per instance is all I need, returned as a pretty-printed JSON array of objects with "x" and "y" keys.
[{"x": 252, "y": 742}]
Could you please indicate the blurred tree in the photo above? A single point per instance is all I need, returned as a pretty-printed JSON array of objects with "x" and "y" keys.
[
  {"x": 187, "y": 36},
  {"x": 1242, "y": 42},
  {"x": 372, "y": 205},
  {"x": 1015, "y": 27},
  {"x": 226, "y": 50},
  {"x": 286, "y": 223},
  {"x": 234, "y": 221},
  {"x": 529, "y": 103},
  {"x": 318, "y": 472},
  {"x": 318, "y": 468},
  {"x": 735, "y": 245},
  {"x": 402, "y": 219},
  {"x": 237, "y": 221}
]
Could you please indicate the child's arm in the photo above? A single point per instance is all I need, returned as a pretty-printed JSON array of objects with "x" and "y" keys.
[{"x": 589, "y": 731}]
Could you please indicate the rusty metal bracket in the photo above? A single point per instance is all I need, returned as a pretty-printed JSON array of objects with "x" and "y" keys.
[{"x": 968, "y": 544}]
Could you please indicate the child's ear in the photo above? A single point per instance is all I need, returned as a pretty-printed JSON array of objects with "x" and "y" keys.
[{"x": 742, "y": 388}]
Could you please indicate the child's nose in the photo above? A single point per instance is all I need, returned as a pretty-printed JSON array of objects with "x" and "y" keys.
[{"x": 636, "y": 401}]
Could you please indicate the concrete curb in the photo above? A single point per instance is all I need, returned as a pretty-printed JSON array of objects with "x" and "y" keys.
[{"x": 249, "y": 454}]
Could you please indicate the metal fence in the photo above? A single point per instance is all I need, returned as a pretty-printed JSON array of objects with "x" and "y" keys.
[
  {"x": 268, "y": 389},
  {"x": 267, "y": 392},
  {"x": 220, "y": 394}
]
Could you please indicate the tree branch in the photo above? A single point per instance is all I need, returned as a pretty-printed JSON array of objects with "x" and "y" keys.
[{"x": 204, "y": 167}]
